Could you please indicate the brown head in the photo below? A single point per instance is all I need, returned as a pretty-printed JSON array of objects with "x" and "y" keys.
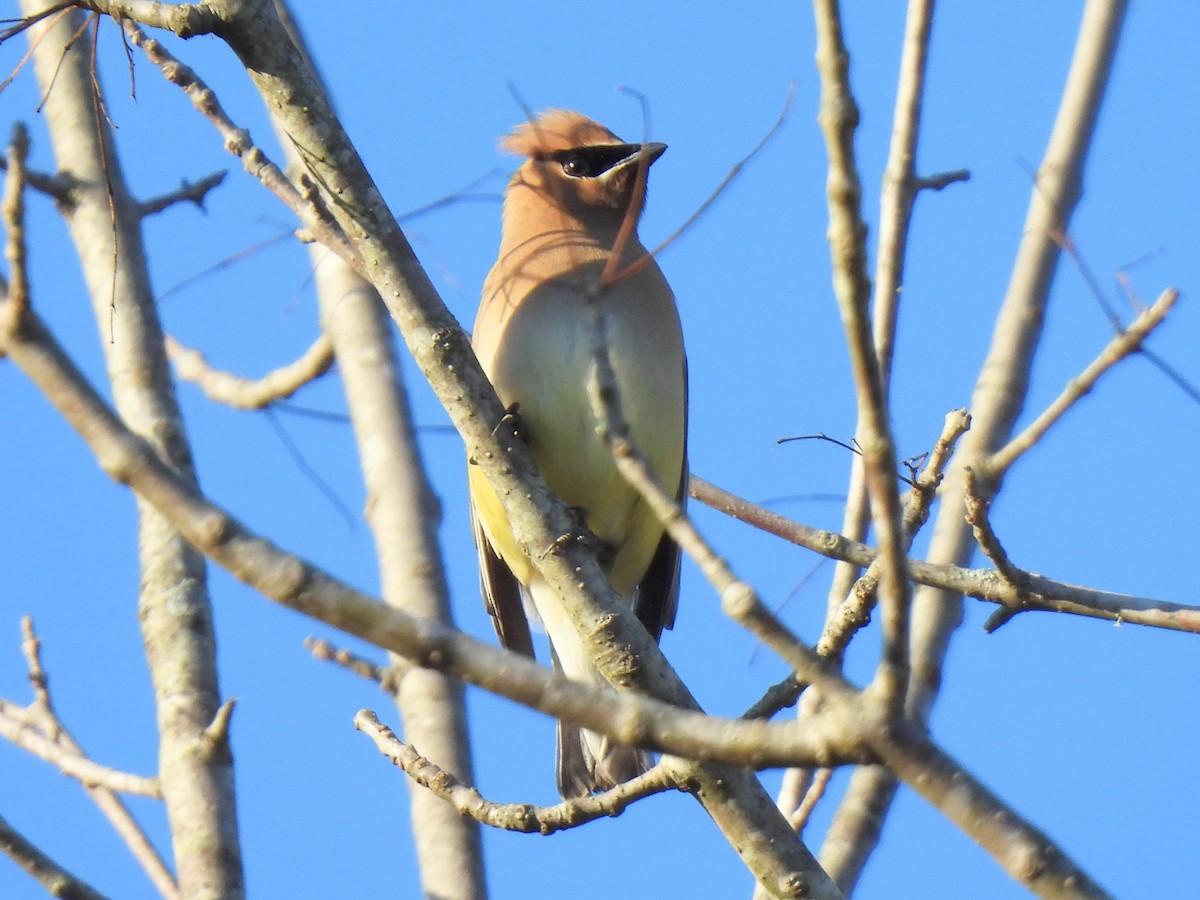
[{"x": 579, "y": 166}]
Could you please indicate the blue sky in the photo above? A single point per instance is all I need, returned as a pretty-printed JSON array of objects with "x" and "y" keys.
[{"x": 1085, "y": 727}]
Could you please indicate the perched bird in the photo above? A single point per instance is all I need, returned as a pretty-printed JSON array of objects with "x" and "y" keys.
[{"x": 563, "y": 210}]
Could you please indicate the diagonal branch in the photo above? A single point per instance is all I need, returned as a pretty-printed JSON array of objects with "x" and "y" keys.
[
  {"x": 292, "y": 582},
  {"x": 1128, "y": 341},
  {"x": 57, "y": 881}
]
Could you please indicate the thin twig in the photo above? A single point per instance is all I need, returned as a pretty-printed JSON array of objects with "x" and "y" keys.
[
  {"x": 188, "y": 192},
  {"x": 237, "y": 140},
  {"x": 74, "y": 765},
  {"x": 246, "y": 393},
  {"x": 1126, "y": 342},
  {"x": 58, "y": 187},
  {"x": 12, "y": 210},
  {"x": 812, "y": 796},
  {"x": 523, "y": 817},
  {"x": 40, "y": 714},
  {"x": 982, "y": 584},
  {"x": 387, "y": 677}
]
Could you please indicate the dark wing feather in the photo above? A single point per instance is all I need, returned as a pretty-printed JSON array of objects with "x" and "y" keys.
[
  {"x": 658, "y": 591},
  {"x": 502, "y": 593}
]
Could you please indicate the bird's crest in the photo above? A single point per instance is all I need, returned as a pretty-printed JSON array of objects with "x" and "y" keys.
[{"x": 556, "y": 129}]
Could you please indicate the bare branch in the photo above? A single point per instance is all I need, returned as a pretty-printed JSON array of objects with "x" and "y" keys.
[
  {"x": 40, "y": 715},
  {"x": 74, "y": 765},
  {"x": 1027, "y": 854},
  {"x": 838, "y": 118},
  {"x": 855, "y": 611},
  {"x": 1126, "y": 342},
  {"x": 982, "y": 584},
  {"x": 57, "y": 187},
  {"x": 626, "y": 718},
  {"x": 387, "y": 677},
  {"x": 188, "y": 192},
  {"x": 186, "y": 20},
  {"x": 12, "y": 210},
  {"x": 244, "y": 393},
  {"x": 989, "y": 543},
  {"x": 238, "y": 142},
  {"x": 812, "y": 796},
  {"x": 198, "y": 787},
  {"x": 522, "y": 817},
  {"x": 57, "y": 881},
  {"x": 1003, "y": 381}
]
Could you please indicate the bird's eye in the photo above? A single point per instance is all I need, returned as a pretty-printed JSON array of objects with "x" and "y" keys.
[{"x": 577, "y": 166}]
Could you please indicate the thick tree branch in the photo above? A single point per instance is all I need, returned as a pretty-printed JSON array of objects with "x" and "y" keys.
[
  {"x": 1003, "y": 381},
  {"x": 404, "y": 515}
]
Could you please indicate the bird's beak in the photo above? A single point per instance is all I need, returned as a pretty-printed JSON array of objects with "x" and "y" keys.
[{"x": 651, "y": 152}]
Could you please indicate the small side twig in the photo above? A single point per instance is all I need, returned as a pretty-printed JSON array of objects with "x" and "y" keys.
[
  {"x": 940, "y": 180},
  {"x": 59, "y": 188},
  {"x": 12, "y": 210},
  {"x": 238, "y": 142},
  {"x": 855, "y": 610},
  {"x": 523, "y": 817},
  {"x": 74, "y": 765},
  {"x": 838, "y": 120},
  {"x": 246, "y": 393},
  {"x": 816, "y": 790},
  {"x": 188, "y": 192},
  {"x": 1125, "y": 343},
  {"x": 387, "y": 677},
  {"x": 982, "y": 584},
  {"x": 985, "y": 535},
  {"x": 40, "y": 715}
]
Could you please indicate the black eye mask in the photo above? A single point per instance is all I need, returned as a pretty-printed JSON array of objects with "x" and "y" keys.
[{"x": 590, "y": 162}]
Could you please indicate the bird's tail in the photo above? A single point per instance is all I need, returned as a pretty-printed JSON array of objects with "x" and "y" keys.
[
  {"x": 586, "y": 761},
  {"x": 590, "y": 762}
]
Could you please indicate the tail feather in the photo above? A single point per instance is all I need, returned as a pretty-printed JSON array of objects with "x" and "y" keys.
[
  {"x": 587, "y": 762},
  {"x": 581, "y": 773}
]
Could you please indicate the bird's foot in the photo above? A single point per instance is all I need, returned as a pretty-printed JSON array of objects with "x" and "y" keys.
[
  {"x": 511, "y": 420},
  {"x": 579, "y": 534}
]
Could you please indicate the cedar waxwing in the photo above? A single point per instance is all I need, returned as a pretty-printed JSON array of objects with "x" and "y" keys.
[{"x": 563, "y": 209}]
